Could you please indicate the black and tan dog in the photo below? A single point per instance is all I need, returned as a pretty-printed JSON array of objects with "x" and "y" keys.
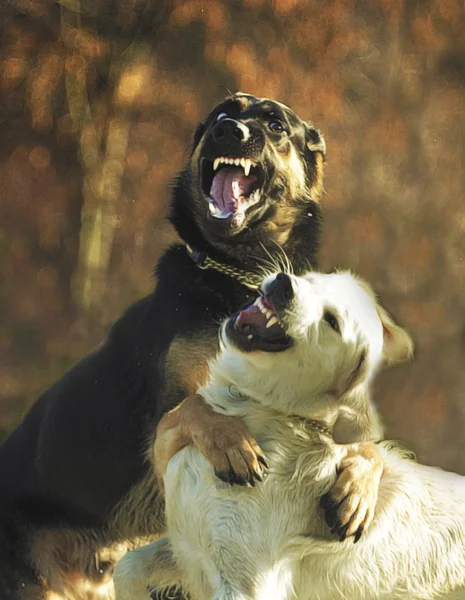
[{"x": 77, "y": 486}]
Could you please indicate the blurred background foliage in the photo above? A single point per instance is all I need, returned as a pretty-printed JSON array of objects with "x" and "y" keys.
[{"x": 99, "y": 99}]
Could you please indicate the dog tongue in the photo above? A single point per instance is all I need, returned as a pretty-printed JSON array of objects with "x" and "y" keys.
[
  {"x": 251, "y": 316},
  {"x": 229, "y": 186}
]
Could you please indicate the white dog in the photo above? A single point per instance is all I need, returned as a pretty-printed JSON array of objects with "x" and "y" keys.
[{"x": 296, "y": 366}]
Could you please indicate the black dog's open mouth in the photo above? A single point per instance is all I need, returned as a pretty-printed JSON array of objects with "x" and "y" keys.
[
  {"x": 258, "y": 327},
  {"x": 231, "y": 185}
]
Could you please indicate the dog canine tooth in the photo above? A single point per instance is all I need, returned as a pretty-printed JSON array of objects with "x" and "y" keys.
[
  {"x": 271, "y": 322},
  {"x": 216, "y": 163},
  {"x": 269, "y": 313},
  {"x": 247, "y": 165},
  {"x": 211, "y": 208}
]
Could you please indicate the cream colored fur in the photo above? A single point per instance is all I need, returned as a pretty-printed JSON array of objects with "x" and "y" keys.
[{"x": 271, "y": 541}]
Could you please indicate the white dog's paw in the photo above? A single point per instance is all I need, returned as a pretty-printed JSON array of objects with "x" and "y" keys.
[{"x": 350, "y": 504}]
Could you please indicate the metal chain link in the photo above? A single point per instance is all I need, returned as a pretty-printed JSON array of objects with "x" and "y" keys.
[{"x": 250, "y": 280}]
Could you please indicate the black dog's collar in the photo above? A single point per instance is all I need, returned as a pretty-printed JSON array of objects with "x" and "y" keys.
[{"x": 203, "y": 261}]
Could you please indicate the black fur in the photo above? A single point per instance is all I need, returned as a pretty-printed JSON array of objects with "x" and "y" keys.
[{"x": 81, "y": 447}]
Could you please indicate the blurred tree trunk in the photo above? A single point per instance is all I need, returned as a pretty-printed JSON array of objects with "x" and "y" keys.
[
  {"x": 103, "y": 152},
  {"x": 103, "y": 133}
]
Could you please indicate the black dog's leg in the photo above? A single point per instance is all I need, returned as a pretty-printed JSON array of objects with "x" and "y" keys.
[{"x": 18, "y": 580}]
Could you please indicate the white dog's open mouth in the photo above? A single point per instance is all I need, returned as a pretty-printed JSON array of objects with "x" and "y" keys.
[{"x": 258, "y": 327}]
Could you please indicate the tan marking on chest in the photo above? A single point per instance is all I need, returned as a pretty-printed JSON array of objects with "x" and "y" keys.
[{"x": 187, "y": 362}]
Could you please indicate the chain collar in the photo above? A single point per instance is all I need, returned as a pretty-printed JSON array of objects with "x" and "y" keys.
[
  {"x": 318, "y": 426},
  {"x": 251, "y": 280}
]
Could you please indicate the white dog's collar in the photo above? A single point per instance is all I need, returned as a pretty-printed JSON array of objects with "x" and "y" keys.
[
  {"x": 236, "y": 394},
  {"x": 317, "y": 425}
]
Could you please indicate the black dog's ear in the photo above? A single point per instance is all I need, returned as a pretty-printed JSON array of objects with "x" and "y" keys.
[
  {"x": 315, "y": 141},
  {"x": 198, "y": 135}
]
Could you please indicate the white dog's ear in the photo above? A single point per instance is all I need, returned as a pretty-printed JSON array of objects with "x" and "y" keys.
[
  {"x": 358, "y": 420},
  {"x": 397, "y": 344}
]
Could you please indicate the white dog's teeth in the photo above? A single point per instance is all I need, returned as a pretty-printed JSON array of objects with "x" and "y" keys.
[
  {"x": 269, "y": 313},
  {"x": 237, "y": 161},
  {"x": 211, "y": 208},
  {"x": 247, "y": 164},
  {"x": 216, "y": 163},
  {"x": 257, "y": 302},
  {"x": 250, "y": 336},
  {"x": 271, "y": 322}
]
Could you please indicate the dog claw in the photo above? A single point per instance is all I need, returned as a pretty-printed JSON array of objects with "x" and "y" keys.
[
  {"x": 340, "y": 532},
  {"x": 261, "y": 459},
  {"x": 230, "y": 478}
]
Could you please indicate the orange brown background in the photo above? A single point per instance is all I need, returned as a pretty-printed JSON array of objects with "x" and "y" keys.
[{"x": 98, "y": 102}]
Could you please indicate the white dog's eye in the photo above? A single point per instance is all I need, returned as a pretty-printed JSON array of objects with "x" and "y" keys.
[
  {"x": 221, "y": 116},
  {"x": 332, "y": 321}
]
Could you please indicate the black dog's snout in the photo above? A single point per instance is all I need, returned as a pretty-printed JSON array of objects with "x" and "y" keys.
[
  {"x": 281, "y": 291},
  {"x": 229, "y": 130}
]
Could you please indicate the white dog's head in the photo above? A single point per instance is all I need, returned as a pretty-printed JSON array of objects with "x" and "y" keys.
[{"x": 310, "y": 346}]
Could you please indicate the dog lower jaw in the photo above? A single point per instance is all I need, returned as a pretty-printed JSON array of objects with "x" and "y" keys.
[{"x": 236, "y": 217}]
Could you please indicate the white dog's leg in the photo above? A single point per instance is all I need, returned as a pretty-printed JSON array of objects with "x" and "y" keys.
[{"x": 140, "y": 569}]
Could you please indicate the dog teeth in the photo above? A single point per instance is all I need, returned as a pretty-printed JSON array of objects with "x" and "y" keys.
[
  {"x": 245, "y": 163},
  {"x": 271, "y": 322},
  {"x": 272, "y": 319},
  {"x": 216, "y": 212},
  {"x": 250, "y": 337}
]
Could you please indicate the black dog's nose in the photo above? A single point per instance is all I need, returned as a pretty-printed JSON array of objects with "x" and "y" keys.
[
  {"x": 230, "y": 130},
  {"x": 280, "y": 291}
]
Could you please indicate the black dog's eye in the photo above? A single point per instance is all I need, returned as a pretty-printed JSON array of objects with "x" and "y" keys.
[
  {"x": 222, "y": 115},
  {"x": 332, "y": 321},
  {"x": 276, "y": 126}
]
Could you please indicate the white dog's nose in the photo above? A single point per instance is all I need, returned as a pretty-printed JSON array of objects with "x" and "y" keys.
[{"x": 280, "y": 291}]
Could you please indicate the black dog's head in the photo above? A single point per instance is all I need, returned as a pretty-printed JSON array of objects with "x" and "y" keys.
[{"x": 254, "y": 170}]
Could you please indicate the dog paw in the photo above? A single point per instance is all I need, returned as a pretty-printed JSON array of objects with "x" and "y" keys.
[
  {"x": 350, "y": 505},
  {"x": 223, "y": 440},
  {"x": 234, "y": 454}
]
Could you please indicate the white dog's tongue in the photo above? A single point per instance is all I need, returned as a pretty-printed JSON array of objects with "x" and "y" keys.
[{"x": 229, "y": 186}]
